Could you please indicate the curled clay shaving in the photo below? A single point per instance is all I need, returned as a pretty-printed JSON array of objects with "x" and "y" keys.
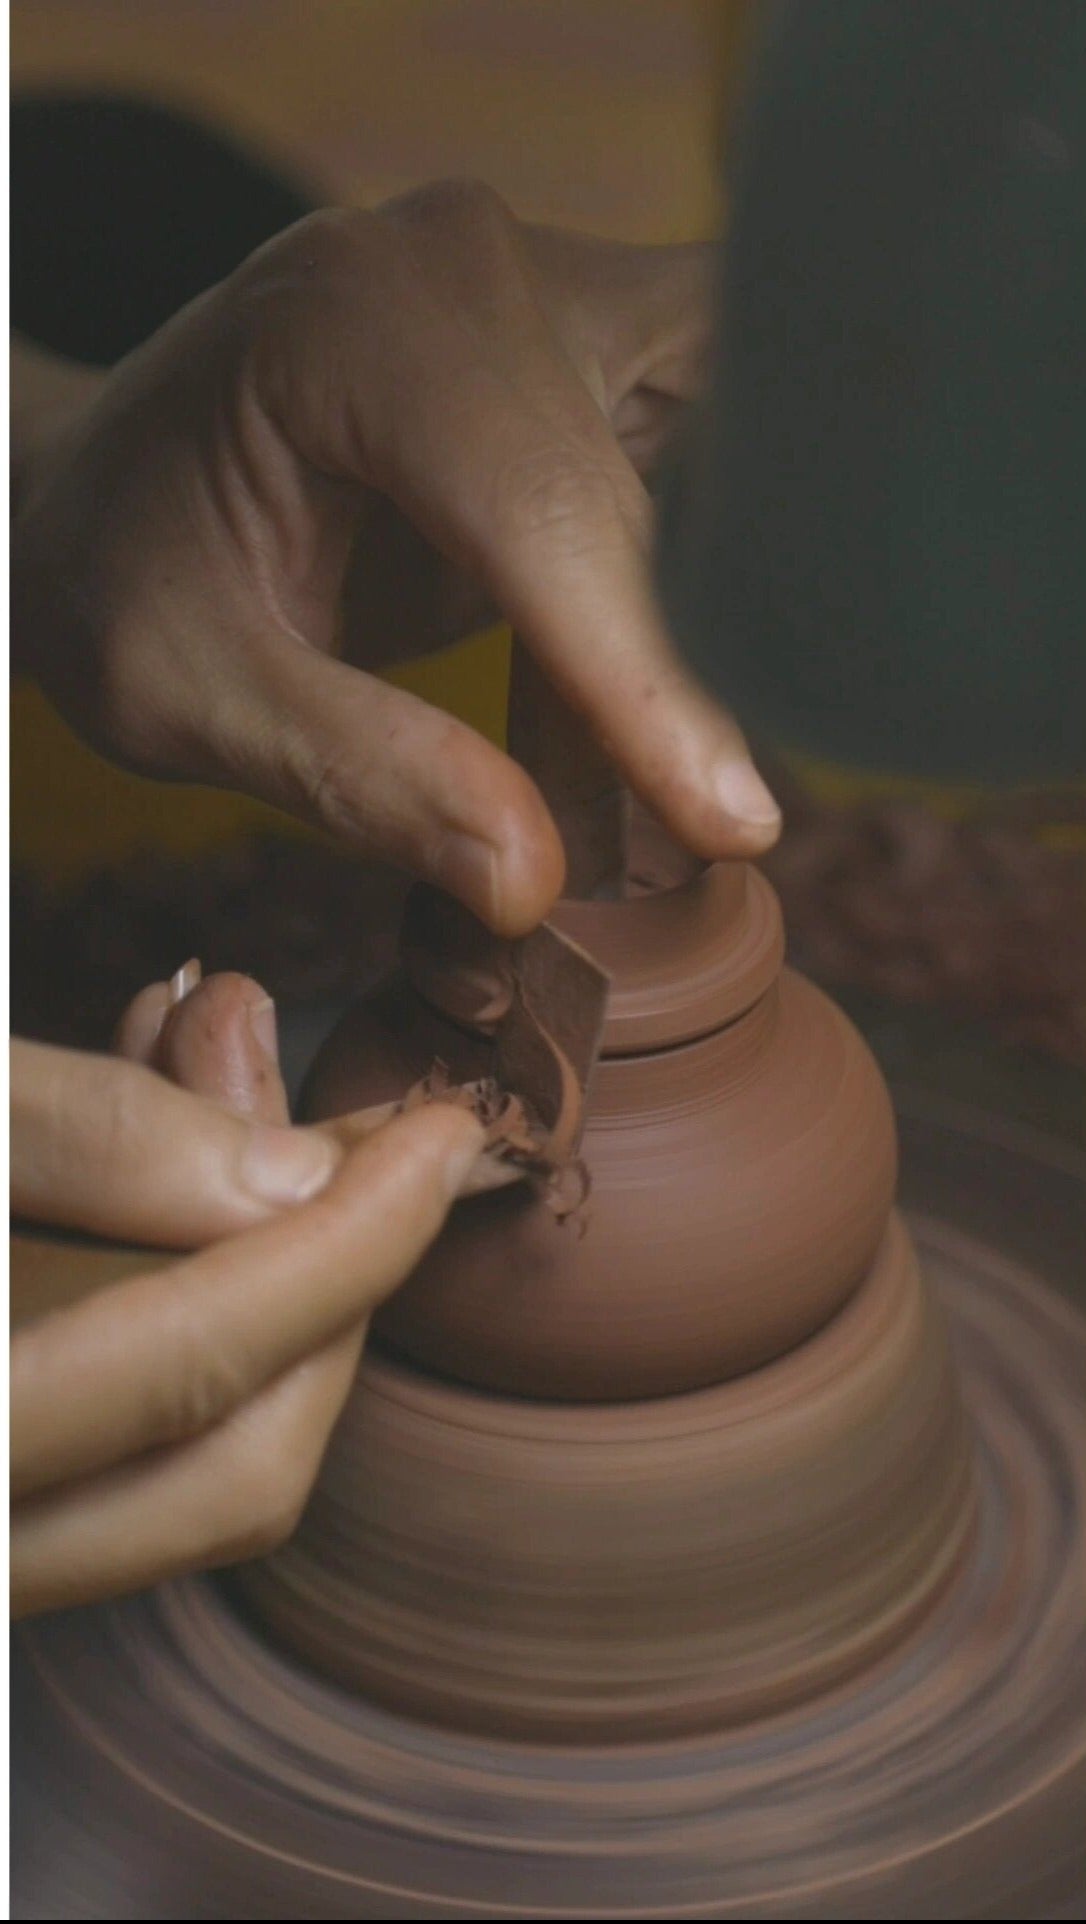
[
  {"x": 567, "y": 1207},
  {"x": 514, "y": 1138}
]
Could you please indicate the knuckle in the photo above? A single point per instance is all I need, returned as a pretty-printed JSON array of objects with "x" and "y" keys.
[
  {"x": 559, "y": 495},
  {"x": 328, "y": 239},
  {"x": 102, "y": 687},
  {"x": 142, "y": 713},
  {"x": 465, "y": 207},
  {"x": 321, "y": 784},
  {"x": 126, "y": 711},
  {"x": 324, "y": 776},
  {"x": 306, "y": 291},
  {"x": 122, "y": 1098},
  {"x": 267, "y": 1495},
  {"x": 206, "y": 1381}
]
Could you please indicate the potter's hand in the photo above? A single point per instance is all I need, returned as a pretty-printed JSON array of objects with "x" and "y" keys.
[
  {"x": 381, "y": 426},
  {"x": 178, "y": 1419}
]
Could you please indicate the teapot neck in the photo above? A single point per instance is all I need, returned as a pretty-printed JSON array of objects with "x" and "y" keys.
[{"x": 684, "y": 960}]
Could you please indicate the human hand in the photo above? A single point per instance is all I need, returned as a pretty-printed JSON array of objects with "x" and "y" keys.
[
  {"x": 177, "y": 1419},
  {"x": 383, "y": 425}
]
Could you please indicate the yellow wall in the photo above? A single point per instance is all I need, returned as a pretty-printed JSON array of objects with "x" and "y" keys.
[{"x": 593, "y": 113}]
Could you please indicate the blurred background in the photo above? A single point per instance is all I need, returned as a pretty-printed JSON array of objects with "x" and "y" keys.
[{"x": 600, "y": 114}]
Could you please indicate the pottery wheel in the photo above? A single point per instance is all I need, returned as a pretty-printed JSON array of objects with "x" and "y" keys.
[{"x": 169, "y": 1764}]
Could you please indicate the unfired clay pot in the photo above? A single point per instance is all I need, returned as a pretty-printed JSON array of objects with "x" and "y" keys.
[
  {"x": 740, "y": 1145},
  {"x": 599, "y": 1573},
  {"x": 656, "y": 1571},
  {"x": 686, "y": 1463}
]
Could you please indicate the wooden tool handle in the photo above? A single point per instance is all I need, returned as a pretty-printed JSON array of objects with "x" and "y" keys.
[{"x": 581, "y": 787}]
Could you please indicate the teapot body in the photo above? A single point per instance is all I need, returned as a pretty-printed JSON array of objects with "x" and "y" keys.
[{"x": 740, "y": 1181}]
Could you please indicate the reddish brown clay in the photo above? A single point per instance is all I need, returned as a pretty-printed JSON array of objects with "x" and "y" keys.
[
  {"x": 599, "y": 1573},
  {"x": 739, "y": 1139},
  {"x": 701, "y": 1593},
  {"x": 169, "y": 1763}
]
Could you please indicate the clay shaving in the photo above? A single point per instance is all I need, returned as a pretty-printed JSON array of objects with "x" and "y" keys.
[{"x": 514, "y": 1136}]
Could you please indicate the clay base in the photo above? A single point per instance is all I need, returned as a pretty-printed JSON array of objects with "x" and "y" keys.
[
  {"x": 629, "y": 1572},
  {"x": 169, "y": 1764}
]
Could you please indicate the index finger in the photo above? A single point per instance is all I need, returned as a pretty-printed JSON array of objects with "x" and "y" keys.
[
  {"x": 163, "y": 1357},
  {"x": 507, "y": 463}
]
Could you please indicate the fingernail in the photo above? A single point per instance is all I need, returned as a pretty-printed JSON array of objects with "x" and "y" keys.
[
  {"x": 745, "y": 795},
  {"x": 183, "y": 983},
  {"x": 288, "y": 1165},
  {"x": 265, "y": 1030},
  {"x": 469, "y": 869}
]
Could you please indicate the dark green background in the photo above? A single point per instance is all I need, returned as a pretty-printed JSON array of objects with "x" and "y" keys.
[{"x": 876, "y": 548}]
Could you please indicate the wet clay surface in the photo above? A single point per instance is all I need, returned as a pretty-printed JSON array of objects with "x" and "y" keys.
[
  {"x": 738, "y": 1135},
  {"x": 740, "y": 1187},
  {"x": 627, "y": 1572},
  {"x": 808, "y": 1643},
  {"x": 170, "y": 1763},
  {"x": 683, "y": 1568}
]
